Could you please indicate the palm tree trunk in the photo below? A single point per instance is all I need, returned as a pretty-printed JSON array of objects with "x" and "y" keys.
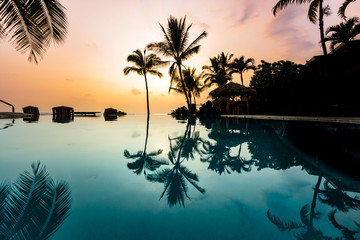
[
  {"x": 183, "y": 86},
  {"x": 147, "y": 133},
  {"x": 313, "y": 203},
  {"x": 242, "y": 80},
  {"x": 147, "y": 95},
  {"x": 321, "y": 25}
]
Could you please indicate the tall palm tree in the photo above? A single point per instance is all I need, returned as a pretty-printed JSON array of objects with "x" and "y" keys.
[
  {"x": 193, "y": 82},
  {"x": 316, "y": 12},
  {"x": 218, "y": 72},
  {"x": 240, "y": 65},
  {"x": 341, "y": 11},
  {"x": 144, "y": 64},
  {"x": 343, "y": 32},
  {"x": 176, "y": 46},
  {"x": 33, "y": 25}
]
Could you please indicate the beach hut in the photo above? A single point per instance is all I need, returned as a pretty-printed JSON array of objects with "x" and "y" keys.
[
  {"x": 63, "y": 113},
  {"x": 34, "y": 111},
  {"x": 230, "y": 91},
  {"x": 110, "y": 114}
]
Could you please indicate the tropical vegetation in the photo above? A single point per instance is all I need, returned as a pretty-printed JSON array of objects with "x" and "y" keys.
[
  {"x": 242, "y": 65},
  {"x": 144, "y": 64},
  {"x": 34, "y": 207},
  {"x": 343, "y": 32},
  {"x": 316, "y": 12},
  {"x": 32, "y": 26},
  {"x": 218, "y": 72},
  {"x": 176, "y": 46}
]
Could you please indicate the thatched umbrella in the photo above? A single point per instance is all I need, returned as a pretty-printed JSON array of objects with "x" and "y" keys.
[{"x": 232, "y": 90}]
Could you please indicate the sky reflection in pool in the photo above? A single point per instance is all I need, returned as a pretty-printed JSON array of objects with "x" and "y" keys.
[{"x": 209, "y": 179}]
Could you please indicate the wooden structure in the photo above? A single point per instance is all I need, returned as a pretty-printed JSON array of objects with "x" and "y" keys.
[
  {"x": 63, "y": 113},
  {"x": 230, "y": 91},
  {"x": 110, "y": 114},
  {"x": 34, "y": 111},
  {"x": 86, "y": 113}
]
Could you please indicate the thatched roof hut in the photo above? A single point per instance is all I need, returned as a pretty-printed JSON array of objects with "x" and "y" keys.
[{"x": 232, "y": 89}]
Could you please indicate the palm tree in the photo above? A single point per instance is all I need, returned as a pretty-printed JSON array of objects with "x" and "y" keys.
[
  {"x": 343, "y": 7},
  {"x": 34, "y": 207},
  {"x": 343, "y": 32},
  {"x": 144, "y": 64},
  {"x": 175, "y": 46},
  {"x": 218, "y": 72},
  {"x": 33, "y": 25},
  {"x": 240, "y": 65},
  {"x": 193, "y": 83},
  {"x": 316, "y": 12}
]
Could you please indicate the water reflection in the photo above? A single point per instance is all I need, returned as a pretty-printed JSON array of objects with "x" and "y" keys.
[
  {"x": 143, "y": 160},
  {"x": 34, "y": 207},
  {"x": 175, "y": 179},
  {"x": 7, "y": 125}
]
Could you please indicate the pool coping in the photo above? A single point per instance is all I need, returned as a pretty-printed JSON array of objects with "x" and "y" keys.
[
  {"x": 352, "y": 120},
  {"x": 10, "y": 115}
]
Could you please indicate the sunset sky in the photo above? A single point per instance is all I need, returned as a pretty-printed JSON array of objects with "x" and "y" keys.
[{"x": 86, "y": 72}]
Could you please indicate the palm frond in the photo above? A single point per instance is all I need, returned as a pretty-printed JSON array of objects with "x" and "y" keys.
[
  {"x": 24, "y": 32},
  {"x": 312, "y": 12},
  {"x": 55, "y": 206},
  {"x": 128, "y": 70},
  {"x": 36, "y": 207},
  {"x": 283, "y": 225},
  {"x": 341, "y": 11},
  {"x": 304, "y": 215},
  {"x": 51, "y": 19}
]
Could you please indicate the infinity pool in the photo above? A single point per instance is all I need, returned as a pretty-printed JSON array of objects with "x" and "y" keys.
[{"x": 189, "y": 179}]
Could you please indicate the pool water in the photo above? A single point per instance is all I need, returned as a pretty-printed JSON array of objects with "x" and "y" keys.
[{"x": 191, "y": 179}]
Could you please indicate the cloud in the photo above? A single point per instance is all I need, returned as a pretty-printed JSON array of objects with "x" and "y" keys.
[
  {"x": 88, "y": 95},
  {"x": 91, "y": 45},
  {"x": 69, "y": 80},
  {"x": 290, "y": 36},
  {"x": 135, "y": 91},
  {"x": 135, "y": 134}
]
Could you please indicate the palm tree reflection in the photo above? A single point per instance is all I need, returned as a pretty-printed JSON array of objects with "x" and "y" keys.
[
  {"x": 143, "y": 160},
  {"x": 175, "y": 179},
  {"x": 34, "y": 207}
]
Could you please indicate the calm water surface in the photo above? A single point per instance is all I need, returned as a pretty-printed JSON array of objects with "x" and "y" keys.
[{"x": 192, "y": 179}]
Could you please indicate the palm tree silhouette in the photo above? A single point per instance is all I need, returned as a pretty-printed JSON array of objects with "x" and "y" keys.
[
  {"x": 175, "y": 46},
  {"x": 33, "y": 25},
  {"x": 240, "y": 65},
  {"x": 347, "y": 233},
  {"x": 316, "y": 12},
  {"x": 218, "y": 72},
  {"x": 341, "y": 11},
  {"x": 144, "y": 64},
  {"x": 336, "y": 197},
  {"x": 307, "y": 216},
  {"x": 343, "y": 32},
  {"x": 193, "y": 83},
  {"x": 34, "y": 207},
  {"x": 144, "y": 160},
  {"x": 175, "y": 179},
  {"x": 218, "y": 157}
]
